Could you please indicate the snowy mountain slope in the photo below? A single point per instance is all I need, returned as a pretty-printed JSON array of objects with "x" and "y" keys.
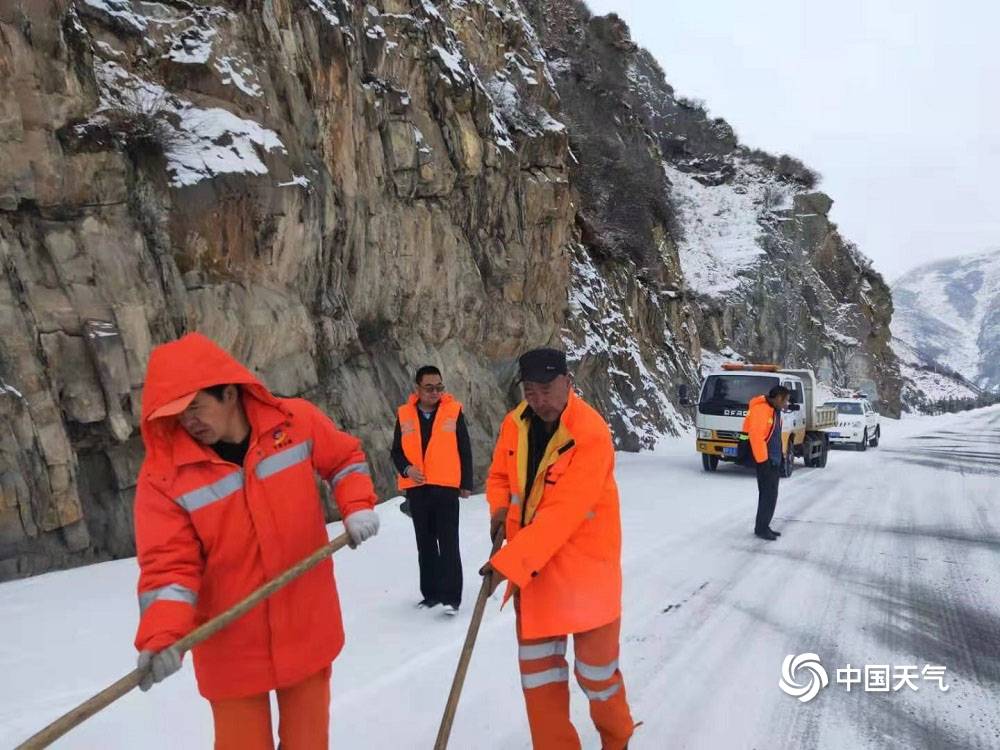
[
  {"x": 709, "y": 615},
  {"x": 722, "y": 232},
  {"x": 949, "y": 312},
  {"x": 736, "y": 244},
  {"x": 926, "y": 382}
]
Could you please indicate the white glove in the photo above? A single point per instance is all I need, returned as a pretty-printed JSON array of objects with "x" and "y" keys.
[
  {"x": 157, "y": 666},
  {"x": 361, "y": 525}
]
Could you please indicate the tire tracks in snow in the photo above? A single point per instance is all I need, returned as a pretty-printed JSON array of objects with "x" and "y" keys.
[{"x": 880, "y": 546}]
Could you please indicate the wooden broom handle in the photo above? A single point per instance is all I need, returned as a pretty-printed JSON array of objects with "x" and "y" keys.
[
  {"x": 116, "y": 690},
  {"x": 444, "y": 731}
]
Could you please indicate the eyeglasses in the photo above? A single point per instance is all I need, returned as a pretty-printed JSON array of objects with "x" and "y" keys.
[{"x": 432, "y": 388}]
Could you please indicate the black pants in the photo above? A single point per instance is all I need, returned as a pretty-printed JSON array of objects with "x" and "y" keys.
[
  {"x": 435, "y": 521},
  {"x": 768, "y": 475}
]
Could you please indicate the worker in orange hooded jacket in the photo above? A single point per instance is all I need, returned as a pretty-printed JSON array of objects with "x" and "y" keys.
[
  {"x": 227, "y": 500},
  {"x": 552, "y": 493}
]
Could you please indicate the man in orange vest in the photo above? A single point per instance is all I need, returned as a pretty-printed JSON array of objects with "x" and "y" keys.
[
  {"x": 552, "y": 493},
  {"x": 762, "y": 425},
  {"x": 433, "y": 455},
  {"x": 226, "y": 500}
]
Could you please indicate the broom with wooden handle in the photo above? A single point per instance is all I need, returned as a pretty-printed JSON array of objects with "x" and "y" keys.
[
  {"x": 463, "y": 661},
  {"x": 113, "y": 692}
]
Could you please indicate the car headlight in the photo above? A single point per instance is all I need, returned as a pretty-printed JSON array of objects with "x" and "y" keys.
[{"x": 704, "y": 434}]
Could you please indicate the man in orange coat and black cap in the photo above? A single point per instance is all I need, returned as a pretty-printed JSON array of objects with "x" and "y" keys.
[
  {"x": 552, "y": 492},
  {"x": 227, "y": 500}
]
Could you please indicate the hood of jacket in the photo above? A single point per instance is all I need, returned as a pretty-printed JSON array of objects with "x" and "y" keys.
[{"x": 181, "y": 367}]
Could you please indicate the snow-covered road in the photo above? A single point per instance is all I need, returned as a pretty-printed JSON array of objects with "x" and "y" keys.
[{"x": 888, "y": 557}]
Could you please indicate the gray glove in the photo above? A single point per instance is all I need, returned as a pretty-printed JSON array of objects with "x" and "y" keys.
[
  {"x": 156, "y": 666},
  {"x": 361, "y": 525}
]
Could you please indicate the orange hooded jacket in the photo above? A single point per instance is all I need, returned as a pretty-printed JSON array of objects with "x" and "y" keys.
[
  {"x": 563, "y": 548},
  {"x": 758, "y": 425},
  {"x": 209, "y": 532}
]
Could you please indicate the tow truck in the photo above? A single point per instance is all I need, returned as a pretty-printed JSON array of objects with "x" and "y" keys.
[{"x": 723, "y": 403}]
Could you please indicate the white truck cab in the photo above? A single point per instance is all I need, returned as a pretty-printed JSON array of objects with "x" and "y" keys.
[
  {"x": 858, "y": 423},
  {"x": 723, "y": 402}
]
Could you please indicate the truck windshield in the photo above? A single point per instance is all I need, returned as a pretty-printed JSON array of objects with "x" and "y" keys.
[
  {"x": 843, "y": 408},
  {"x": 732, "y": 391}
]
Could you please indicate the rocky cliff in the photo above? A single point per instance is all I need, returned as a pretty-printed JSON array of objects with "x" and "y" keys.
[
  {"x": 340, "y": 192},
  {"x": 738, "y": 240}
]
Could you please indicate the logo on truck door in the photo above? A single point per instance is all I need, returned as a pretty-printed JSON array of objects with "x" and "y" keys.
[{"x": 734, "y": 412}]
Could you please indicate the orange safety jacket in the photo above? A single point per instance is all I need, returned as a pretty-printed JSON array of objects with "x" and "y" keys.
[
  {"x": 563, "y": 542},
  {"x": 440, "y": 463},
  {"x": 209, "y": 532},
  {"x": 758, "y": 424}
]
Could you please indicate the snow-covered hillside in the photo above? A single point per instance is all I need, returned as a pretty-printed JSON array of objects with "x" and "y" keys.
[
  {"x": 927, "y": 382},
  {"x": 721, "y": 225},
  {"x": 887, "y": 557},
  {"x": 949, "y": 312}
]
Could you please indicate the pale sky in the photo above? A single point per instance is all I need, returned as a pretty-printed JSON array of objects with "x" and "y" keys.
[{"x": 895, "y": 102}]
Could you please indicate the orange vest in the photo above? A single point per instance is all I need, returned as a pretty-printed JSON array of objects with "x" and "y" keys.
[
  {"x": 563, "y": 548},
  {"x": 209, "y": 532},
  {"x": 440, "y": 463}
]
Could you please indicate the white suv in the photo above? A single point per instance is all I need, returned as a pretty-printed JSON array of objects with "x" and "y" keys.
[{"x": 857, "y": 423}]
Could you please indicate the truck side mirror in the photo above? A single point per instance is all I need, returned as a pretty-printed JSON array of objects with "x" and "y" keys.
[{"x": 684, "y": 395}]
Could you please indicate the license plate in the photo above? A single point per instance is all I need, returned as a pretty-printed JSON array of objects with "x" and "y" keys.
[
  {"x": 835, "y": 434},
  {"x": 729, "y": 451}
]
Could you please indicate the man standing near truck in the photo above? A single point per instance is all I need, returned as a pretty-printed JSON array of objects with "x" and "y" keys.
[{"x": 763, "y": 428}]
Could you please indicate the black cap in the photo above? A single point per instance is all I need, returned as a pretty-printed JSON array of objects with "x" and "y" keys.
[{"x": 542, "y": 365}]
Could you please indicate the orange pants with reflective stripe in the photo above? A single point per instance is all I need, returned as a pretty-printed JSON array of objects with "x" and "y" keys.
[
  {"x": 545, "y": 681},
  {"x": 303, "y": 718}
]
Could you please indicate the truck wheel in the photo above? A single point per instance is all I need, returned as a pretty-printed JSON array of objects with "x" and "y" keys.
[
  {"x": 709, "y": 463},
  {"x": 863, "y": 445},
  {"x": 810, "y": 452},
  {"x": 824, "y": 452},
  {"x": 878, "y": 434},
  {"x": 788, "y": 464}
]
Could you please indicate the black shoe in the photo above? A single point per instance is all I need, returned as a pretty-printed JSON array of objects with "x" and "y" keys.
[
  {"x": 427, "y": 604},
  {"x": 776, "y": 533},
  {"x": 765, "y": 535}
]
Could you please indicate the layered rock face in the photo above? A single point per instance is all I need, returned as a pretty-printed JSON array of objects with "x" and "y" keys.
[
  {"x": 341, "y": 192},
  {"x": 336, "y": 193}
]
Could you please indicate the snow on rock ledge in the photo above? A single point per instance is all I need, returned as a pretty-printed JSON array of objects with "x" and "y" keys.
[
  {"x": 632, "y": 374},
  {"x": 207, "y": 142}
]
